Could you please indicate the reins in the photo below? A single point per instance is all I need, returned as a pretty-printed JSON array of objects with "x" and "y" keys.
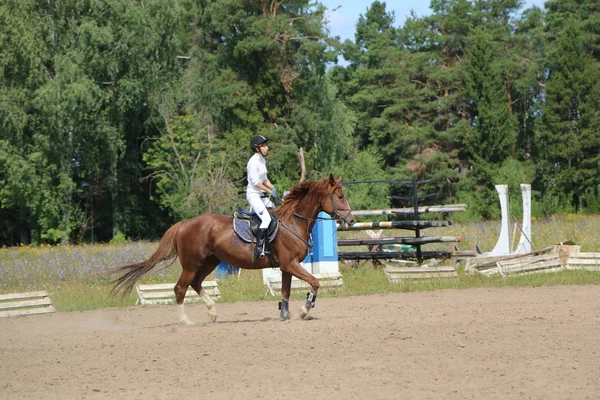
[
  {"x": 313, "y": 220},
  {"x": 293, "y": 232}
]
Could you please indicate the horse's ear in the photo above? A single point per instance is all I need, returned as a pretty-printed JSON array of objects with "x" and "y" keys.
[
  {"x": 331, "y": 180},
  {"x": 339, "y": 181}
]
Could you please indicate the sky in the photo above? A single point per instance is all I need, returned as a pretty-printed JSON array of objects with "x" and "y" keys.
[{"x": 342, "y": 22}]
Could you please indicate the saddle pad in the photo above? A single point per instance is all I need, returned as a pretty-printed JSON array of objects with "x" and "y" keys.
[{"x": 242, "y": 228}]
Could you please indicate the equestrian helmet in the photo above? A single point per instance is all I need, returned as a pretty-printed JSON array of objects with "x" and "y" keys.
[{"x": 257, "y": 141}]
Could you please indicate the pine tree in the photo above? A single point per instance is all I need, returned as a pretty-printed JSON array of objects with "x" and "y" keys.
[{"x": 568, "y": 135}]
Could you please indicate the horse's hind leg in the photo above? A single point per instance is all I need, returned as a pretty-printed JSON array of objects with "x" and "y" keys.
[
  {"x": 185, "y": 279},
  {"x": 209, "y": 265}
]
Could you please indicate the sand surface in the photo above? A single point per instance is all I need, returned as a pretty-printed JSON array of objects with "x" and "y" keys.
[{"x": 525, "y": 343}]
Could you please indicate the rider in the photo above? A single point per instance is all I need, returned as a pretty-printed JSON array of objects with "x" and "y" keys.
[{"x": 259, "y": 186}]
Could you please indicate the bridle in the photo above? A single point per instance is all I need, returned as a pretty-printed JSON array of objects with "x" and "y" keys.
[{"x": 336, "y": 215}]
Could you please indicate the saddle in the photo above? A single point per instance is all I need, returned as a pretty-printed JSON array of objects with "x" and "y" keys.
[{"x": 246, "y": 223}]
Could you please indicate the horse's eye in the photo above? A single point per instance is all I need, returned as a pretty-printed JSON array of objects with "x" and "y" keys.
[{"x": 340, "y": 196}]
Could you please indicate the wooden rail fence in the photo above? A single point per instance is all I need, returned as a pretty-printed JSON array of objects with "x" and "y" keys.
[{"x": 377, "y": 245}]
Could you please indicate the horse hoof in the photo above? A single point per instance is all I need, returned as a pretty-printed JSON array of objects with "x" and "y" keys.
[
  {"x": 212, "y": 314},
  {"x": 303, "y": 312}
]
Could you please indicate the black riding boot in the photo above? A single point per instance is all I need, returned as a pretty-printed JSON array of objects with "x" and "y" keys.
[{"x": 261, "y": 236}]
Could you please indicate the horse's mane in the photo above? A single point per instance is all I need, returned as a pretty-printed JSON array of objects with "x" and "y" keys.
[{"x": 303, "y": 192}]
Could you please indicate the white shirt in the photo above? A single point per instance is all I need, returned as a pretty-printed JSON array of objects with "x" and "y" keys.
[{"x": 257, "y": 172}]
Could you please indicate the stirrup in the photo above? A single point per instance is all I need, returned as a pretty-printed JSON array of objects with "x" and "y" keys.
[
  {"x": 263, "y": 253},
  {"x": 260, "y": 253}
]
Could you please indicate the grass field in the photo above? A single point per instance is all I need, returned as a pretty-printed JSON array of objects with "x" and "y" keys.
[{"x": 77, "y": 277}]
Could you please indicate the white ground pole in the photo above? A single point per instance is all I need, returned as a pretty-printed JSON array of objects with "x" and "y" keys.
[
  {"x": 525, "y": 245},
  {"x": 502, "y": 247}
]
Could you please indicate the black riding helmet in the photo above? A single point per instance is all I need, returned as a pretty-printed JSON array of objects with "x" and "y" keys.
[{"x": 257, "y": 141}]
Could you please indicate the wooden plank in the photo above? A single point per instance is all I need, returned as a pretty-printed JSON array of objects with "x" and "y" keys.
[
  {"x": 528, "y": 260},
  {"x": 583, "y": 261},
  {"x": 170, "y": 299},
  {"x": 397, "y": 274},
  {"x": 524, "y": 265},
  {"x": 543, "y": 271},
  {"x": 393, "y": 278},
  {"x": 45, "y": 301},
  {"x": 154, "y": 294},
  {"x": 25, "y": 295},
  {"x": 575, "y": 267},
  {"x": 480, "y": 263},
  {"x": 528, "y": 267},
  {"x": 488, "y": 271},
  {"x": 298, "y": 284},
  {"x": 28, "y": 303},
  {"x": 490, "y": 261},
  {"x": 585, "y": 255},
  {"x": 327, "y": 281},
  {"x": 394, "y": 269},
  {"x": 162, "y": 293},
  {"x": 27, "y": 311},
  {"x": 170, "y": 286}
]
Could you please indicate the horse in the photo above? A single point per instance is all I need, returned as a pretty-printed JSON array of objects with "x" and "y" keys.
[{"x": 203, "y": 241}]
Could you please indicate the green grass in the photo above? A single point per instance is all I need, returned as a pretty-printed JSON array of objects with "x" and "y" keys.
[{"x": 77, "y": 276}]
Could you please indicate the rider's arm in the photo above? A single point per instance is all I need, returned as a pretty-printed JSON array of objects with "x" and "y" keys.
[
  {"x": 269, "y": 185},
  {"x": 265, "y": 186}
]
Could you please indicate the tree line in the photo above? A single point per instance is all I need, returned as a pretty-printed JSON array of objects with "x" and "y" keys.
[{"x": 119, "y": 117}]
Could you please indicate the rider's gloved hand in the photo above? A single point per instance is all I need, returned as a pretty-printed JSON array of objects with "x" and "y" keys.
[{"x": 274, "y": 193}]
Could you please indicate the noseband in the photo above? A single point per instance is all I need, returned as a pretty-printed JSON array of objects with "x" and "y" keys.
[{"x": 336, "y": 214}]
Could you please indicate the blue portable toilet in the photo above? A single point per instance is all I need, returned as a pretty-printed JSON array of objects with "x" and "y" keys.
[{"x": 324, "y": 254}]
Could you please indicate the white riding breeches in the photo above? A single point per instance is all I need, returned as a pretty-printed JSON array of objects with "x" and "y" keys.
[{"x": 260, "y": 206}]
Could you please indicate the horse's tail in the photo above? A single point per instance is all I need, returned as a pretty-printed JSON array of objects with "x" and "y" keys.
[{"x": 167, "y": 249}]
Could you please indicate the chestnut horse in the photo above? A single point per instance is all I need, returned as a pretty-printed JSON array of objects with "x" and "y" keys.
[{"x": 201, "y": 242}]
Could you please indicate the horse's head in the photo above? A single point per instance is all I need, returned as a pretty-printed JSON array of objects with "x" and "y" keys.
[{"x": 337, "y": 205}]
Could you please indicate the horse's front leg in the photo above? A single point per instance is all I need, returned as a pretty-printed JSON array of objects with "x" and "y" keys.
[
  {"x": 296, "y": 270},
  {"x": 286, "y": 288}
]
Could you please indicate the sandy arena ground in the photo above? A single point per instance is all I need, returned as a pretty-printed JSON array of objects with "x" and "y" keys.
[{"x": 527, "y": 343}]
